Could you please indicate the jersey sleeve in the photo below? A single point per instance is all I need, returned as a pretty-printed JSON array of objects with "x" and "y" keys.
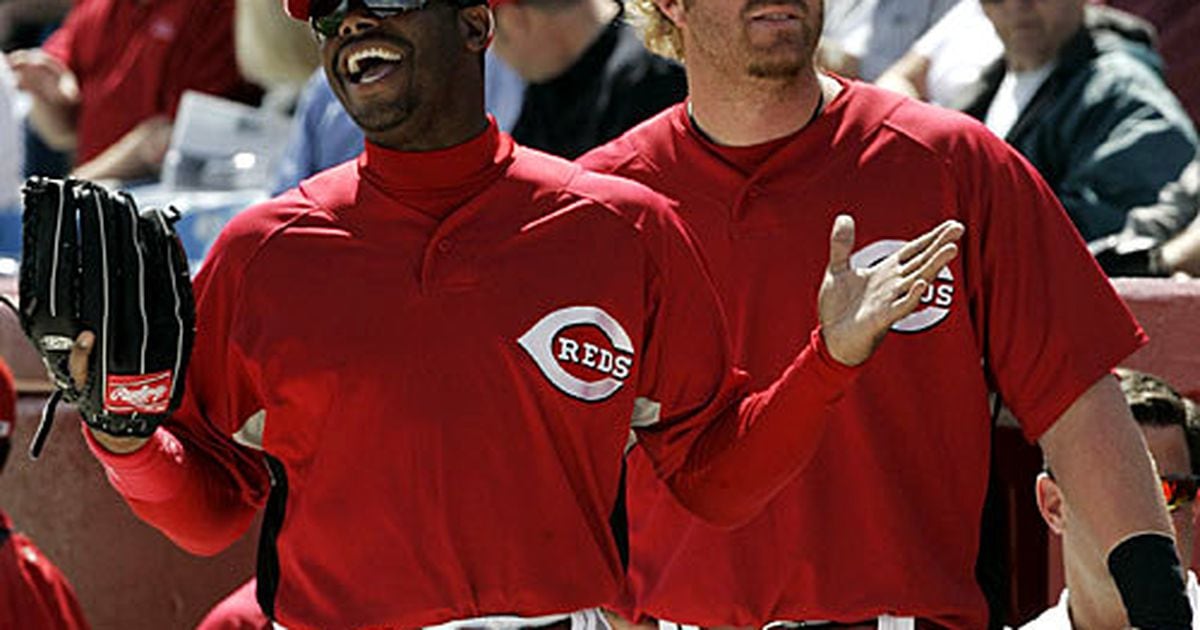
[
  {"x": 1052, "y": 324},
  {"x": 192, "y": 480},
  {"x": 723, "y": 453}
]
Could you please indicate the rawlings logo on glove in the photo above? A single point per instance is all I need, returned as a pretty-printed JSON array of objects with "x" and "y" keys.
[
  {"x": 150, "y": 393},
  {"x": 91, "y": 261}
]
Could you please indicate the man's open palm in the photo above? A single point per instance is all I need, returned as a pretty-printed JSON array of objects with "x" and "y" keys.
[{"x": 858, "y": 306}]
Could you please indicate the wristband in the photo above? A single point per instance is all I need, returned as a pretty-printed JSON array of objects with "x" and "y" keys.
[{"x": 1146, "y": 570}]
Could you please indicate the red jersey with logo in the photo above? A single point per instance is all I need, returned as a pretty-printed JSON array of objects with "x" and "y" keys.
[
  {"x": 443, "y": 354},
  {"x": 134, "y": 59},
  {"x": 885, "y": 519},
  {"x": 34, "y": 595}
]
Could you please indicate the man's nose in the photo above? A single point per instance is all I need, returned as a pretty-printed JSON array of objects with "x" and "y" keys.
[{"x": 357, "y": 21}]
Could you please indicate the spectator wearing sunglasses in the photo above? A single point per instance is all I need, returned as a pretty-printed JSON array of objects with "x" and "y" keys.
[
  {"x": 439, "y": 352},
  {"x": 1080, "y": 93},
  {"x": 1171, "y": 428},
  {"x": 589, "y": 77}
]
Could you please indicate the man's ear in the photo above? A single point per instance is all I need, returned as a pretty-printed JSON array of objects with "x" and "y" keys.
[
  {"x": 673, "y": 9},
  {"x": 1050, "y": 502},
  {"x": 476, "y": 27}
]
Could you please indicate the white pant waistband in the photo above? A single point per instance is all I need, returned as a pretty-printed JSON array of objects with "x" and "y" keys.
[
  {"x": 885, "y": 622},
  {"x": 590, "y": 619}
]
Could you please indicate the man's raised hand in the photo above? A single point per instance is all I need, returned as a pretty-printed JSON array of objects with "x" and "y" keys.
[{"x": 858, "y": 306}]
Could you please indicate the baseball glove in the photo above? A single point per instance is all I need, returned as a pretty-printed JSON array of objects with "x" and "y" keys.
[{"x": 91, "y": 261}]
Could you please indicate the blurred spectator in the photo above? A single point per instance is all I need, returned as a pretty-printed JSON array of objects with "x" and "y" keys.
[
  {"x": 1147, "y": 246},
  {"x": 948, "y": 59},
  {"x": 1178, "y": 22},
  {"x": 12, "y": 143},
  {"x": 323, "y": 135},
  {"x": 12, "y": 152},
  {"x": 108, "y": 81},
  {"x": 25, "y": 23},
  {"x": 1172, "y": 432},
  {"x": 274, "y": 52},
  {"x": 862, "y": 38},
  {"x": 34, "y": 595},
  {"x": 1080, "y": 93},
  {"x": 238, "y": 611},
  {"x": 589, "y": 76}
]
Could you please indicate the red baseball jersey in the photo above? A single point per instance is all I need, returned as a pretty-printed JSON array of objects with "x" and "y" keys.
[
  {"x": 133, "y": 60},
  {"x": 443, "y": 354},
  {"x": 885, "y": 519},
  {"x": 34, "y": 595}
]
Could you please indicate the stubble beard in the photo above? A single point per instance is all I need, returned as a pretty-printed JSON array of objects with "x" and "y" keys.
[
  {"x": 789, "y": 55},
  {"x": 784, "y": 59}
]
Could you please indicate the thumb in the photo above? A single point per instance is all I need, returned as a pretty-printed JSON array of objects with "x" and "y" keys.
[
  {"x": 841, "y": 243},
  {"x": 78, "y": 361}
]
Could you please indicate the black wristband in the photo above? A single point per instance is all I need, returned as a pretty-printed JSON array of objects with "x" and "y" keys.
[{"x": 1147, "y": 572}]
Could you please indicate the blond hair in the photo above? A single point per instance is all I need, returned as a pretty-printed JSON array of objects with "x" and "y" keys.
[{"x": 658, "y": 31}]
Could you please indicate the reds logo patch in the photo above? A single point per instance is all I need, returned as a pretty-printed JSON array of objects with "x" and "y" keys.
[
  {"x": 139, "y": 393},
  {"x": 582, "y": 350},
  {"x": 935, "y": 303}
]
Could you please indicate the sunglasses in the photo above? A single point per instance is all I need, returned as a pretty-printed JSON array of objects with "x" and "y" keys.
[
  {"x": 1179, "y": 490},
  {"x": 326, "y": 15}
]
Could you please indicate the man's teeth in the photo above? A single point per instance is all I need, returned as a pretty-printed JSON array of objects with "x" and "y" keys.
[{"x": 354, "y": 61}]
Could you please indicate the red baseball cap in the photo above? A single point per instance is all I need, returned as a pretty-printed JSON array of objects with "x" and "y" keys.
[{"x": 297, "y": 9}]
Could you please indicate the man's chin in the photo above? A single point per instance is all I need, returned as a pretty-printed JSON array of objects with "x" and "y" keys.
[
  {"x": 776, "y": 70},
  {"x": 377, "y": 120}
]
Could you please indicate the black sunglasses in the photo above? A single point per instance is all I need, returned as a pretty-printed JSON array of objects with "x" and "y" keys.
[{"x": 326, "y": 16}]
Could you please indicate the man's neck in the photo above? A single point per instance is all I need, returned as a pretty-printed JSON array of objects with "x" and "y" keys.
[
  {"x": 413, "y": 136},
  {"x": 753, "y": 111}
]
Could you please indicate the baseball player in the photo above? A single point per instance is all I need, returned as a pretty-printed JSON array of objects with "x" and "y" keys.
[
  {"x": 882, "y": 529},
  {"x": 440, "y": 349},
  {"x": 34, "y": 594}
]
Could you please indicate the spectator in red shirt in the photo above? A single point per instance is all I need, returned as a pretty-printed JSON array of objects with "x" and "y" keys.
[
  {"x": 34, "y": 595},
  {"x": 107, "y": 83}
]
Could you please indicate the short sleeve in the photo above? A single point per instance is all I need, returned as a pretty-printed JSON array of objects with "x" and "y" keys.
[{"x": 1052, "y": 323}]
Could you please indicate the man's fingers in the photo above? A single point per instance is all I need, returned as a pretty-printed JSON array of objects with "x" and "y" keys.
[
  {"x": 934, "y": 262},
  {"x": 78, "y": 361},
  {"x": 947, "y": 231},
  {"x": 841, "y": 243},
  {"x": 909, "y": 301}
]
